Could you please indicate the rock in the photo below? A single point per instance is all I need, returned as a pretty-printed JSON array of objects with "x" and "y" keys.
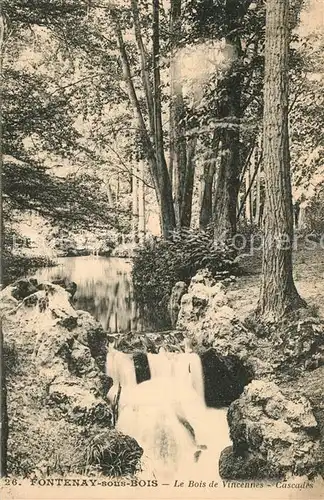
[
  {"x": 310, "y": 385},
  {"x": 271, "y": 428},
  {"x": 23, "y": 287},
  {"x": 177, "y": 293},
  {"x": 69, "y": 286},
  {"x": 56, "y": 381},
  {"x": 224, "y": 378},
  {"x": 172, "y": 341},
  {"x": 203, "y": 296},
  {"x": 78, "y": 404},
  {"x": 235, "y": 467},
  {"x": 299, "y": 345},
  {"x": 89, "y": 332},
  {"x": 208, "y": 319}
]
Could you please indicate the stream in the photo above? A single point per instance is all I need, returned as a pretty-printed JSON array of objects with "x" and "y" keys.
[
  {"x": 104, "y": 289},
  {"x": 166, "y": 414}
]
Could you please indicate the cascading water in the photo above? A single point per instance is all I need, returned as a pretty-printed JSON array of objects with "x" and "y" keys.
[
  {"x": 167, "y": 415},
  {"x": 120, "y": 367}
]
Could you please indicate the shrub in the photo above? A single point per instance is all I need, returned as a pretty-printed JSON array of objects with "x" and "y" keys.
[
  {"x": 314, "y": 215},
  {"x": 111, "y": 453},
  {"x": 250, "y": 234},
  {"x": 18, "y": 266},
  {"x": 159, "y": 264}
]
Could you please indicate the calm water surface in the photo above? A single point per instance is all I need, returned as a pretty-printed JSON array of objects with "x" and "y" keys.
[{"x": 104, "y": 289}]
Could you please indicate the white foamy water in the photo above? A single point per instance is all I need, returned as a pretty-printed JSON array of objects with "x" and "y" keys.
[{"x": 168, "y": 417}]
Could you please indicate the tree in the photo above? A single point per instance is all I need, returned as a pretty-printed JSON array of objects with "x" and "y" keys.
[{"x": 278, "y": 293}]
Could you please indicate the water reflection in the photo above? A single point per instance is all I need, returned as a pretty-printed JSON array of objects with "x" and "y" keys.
[{"x": 104, "y": 289}]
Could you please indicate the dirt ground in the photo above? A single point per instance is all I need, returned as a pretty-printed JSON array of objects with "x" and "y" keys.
[{"x": 308, "y": 275}]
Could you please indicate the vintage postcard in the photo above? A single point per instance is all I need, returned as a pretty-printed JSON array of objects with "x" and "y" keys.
[{"x": 162, "y": 249}]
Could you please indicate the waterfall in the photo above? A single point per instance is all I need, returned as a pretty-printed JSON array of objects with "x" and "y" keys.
[
  {"x": 167, "y": 414},
  {"x": 120, "y": 367},
  {"x": 160, "y": 364}
]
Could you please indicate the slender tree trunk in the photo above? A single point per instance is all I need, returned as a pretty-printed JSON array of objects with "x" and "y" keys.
[
  {"x": 155, "y": 155},
  {"x": 228, "y": 181},
  {"x": 278, "y": 293},
  {"x": 248, "y": 204},
  {"x": 167, "y": 208},
  {"x": 110, "y": 195},
  {"x": 141, "y": 203},
  {"x": 188, "y": 185},
  {"x": 178, "y": 149},
  {"x": 144, "y": 66},
  {"x": 258, "y": 196},
  {"x": 135, "y": 204},
  {"x": 206, "y": 209}
]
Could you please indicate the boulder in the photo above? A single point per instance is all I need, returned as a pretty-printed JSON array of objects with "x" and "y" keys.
[
  {"x": 177, "y": 293},
  {"x": 69, "y": 286},
  {"x": 299, "y": 345},
  {"x": 23, "y": 287},
  {"x": 203, "y": 295},
  {"x": 224, "y": 378},
  {"x": 207, "y": 318},
  {"x": 277, "y": 431},
  {"x": 236, "y": 467},
  {"x": 55, "y": 376}
]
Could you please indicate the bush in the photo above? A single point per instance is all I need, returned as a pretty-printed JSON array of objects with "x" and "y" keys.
[
  {"x": 19, "y": 266},
  {"x": 314, "y": 215},
  {"x": 159, "y": 264},
  {"x": 250, "y": 234}
]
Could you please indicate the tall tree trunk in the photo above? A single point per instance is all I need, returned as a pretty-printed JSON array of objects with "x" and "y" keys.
[
  {"x": 155, "y": 155},
  {"x": 3, "y": 384},
  {"x": 228, "y": 180},
  {"x": 167, "y": 208},
  {"x": 110, "y": 194},
  {"x": 188, "y": 185},
  {"x": 141, "y": 203},
  {"x": 144, "y": 66},
  {"x": 278, "y": 294},
  {"x": 258, "y": 190},
  {"x": 206, "y": 208},
  {"x": 248, "y": 191},
  {"x": 135, "y": 204},
  {"x": 178, "y": 150}
]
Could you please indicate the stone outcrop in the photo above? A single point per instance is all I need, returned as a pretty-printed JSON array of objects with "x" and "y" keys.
[
  {"x": 55, "y": 377},
  {"x": 274, "y": 435},
  {"x": 276, "y": 352},
  {"x": 275, "y": 431},
  {"x": 207, "y": 318},
  {"x": 224, "y": 378},
  {"x": 177, "y": 293}
]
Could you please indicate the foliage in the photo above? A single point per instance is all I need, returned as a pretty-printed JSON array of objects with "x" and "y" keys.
[
  {"x": 248, "y": 235},
  {"x": 315, "y": 216},
  {"x": 18, "y": 266},
  {"x": 112, "y": 454},
  {"x": 159, "y": 264}
]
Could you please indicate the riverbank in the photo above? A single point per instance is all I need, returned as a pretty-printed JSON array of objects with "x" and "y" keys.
[
  {"x": 60, "y": 335},
  {"x": 308, "y": 273},
  {"x": 17, "y": 266}
]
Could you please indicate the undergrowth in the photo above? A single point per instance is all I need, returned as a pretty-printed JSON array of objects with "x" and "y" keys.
[{"x": 159, "y": 264}]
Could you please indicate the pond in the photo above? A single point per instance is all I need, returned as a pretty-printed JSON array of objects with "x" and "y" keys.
[{"x": 104, "y": 289}]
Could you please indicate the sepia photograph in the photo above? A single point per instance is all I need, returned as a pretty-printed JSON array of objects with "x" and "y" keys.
[{"x": 162, "y": 249}]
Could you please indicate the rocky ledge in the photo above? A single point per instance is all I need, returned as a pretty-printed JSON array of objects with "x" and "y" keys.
[
  {"x": 277, "y": 424},
  {"x": 59, "y": 418},
  {"x": 274, "y": 435}
]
